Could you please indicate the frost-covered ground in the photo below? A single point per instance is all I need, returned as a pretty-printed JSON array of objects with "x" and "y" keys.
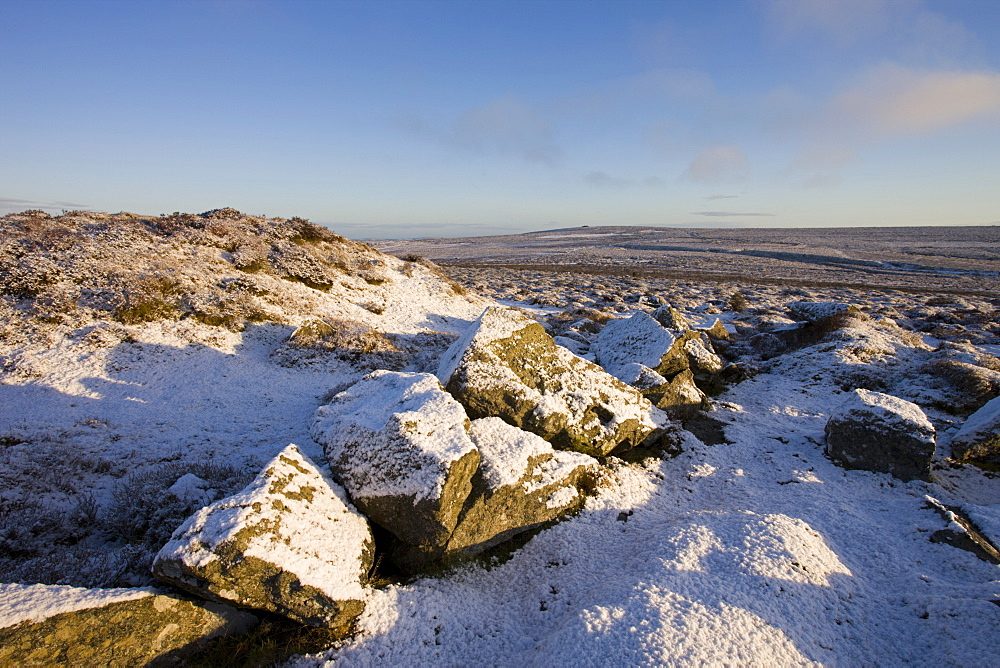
[
  {"x": 953, "y": 259},
  {"x": 756, "y": 551},
  {"x": 753, "y": 550}
]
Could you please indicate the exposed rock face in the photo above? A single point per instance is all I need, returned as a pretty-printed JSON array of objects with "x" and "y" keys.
[
  {"x": 813, "y": 311},
  {"x": 507, "y": 366},
  {"x": 718, "y": 331},
  {"x": 522, "y": 482},
  {"x": 978, "y": 441},
  {"x": 157, "y": 629},
  {"x": 671, "y": 318},
  {"x": 680, "y": 391},
  {"x": 289, "y": 543},
  {"x": 879, "y": 432},
  {"x": 400, "y": 446}
]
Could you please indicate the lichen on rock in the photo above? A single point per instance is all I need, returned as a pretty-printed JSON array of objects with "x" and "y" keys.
[
  {"x": 147, "y": 628},
  {"x": 506, "y": 365},
  {"x": 289, "y": 543}
]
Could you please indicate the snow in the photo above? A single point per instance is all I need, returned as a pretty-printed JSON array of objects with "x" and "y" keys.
[
  {"x": 505, "y": 451},
  {"x": 311, "y": 530},
  {"x": 981, "y": 424},
  {"x": 193, "y": 489},
  {"x": 493, "y": 324},
  {"x": 626, "y": 342},
  {"x": 34, "y": 603},
  {"x": 508, "y": 454},
  {"x": 393, "y": 433},
  {"x": 756, "y": 552},
  {"x": 884, "y": 409}
]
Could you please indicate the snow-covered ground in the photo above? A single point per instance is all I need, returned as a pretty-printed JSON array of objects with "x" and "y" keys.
[
  {"x": 759, "y": 551},
  {"x": 756, "y": 550}
]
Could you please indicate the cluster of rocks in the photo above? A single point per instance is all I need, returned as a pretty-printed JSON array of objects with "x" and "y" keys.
[
  {"x": 671, "y": 363},
  {"x": 502, "y": 440}
]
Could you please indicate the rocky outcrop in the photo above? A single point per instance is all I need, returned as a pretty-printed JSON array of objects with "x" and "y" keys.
[
  {"x": 978, "y": 441},
  {"x": 628, "y": 346},
  {"x": 507, "y": 366},
  {"x": 880, "y": 432},
  {"x": 669, "y": 368},
  {"x": 289, "y": 543},
  {"x": 400, "y": 446},
  {"x": 146, "y": 628}
]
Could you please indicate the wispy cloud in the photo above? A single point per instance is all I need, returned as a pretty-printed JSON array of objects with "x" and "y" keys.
[
  {"x": 846, "y": 21},
  {"x": 727, "y": 214},
  {"x": 12, "y": 203},
  {"x": 896, "y": 100},
  {"x": 710, "y": 197},
  {"x": 505, "y": 125},
  {"x": 722, "y": 162}
]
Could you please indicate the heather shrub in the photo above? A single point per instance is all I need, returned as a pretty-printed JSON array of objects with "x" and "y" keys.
[
  {"x": 148, "y": 299},
  {"x": 232, "y": 311},
  {"x": 294, "y": 263},
  {"x": 144, "y": 512},
  {"x": 346, "y": 340},
  {"x": 251, "y": 256},
  {"x": 737, "y": 301},
  {"x": 27, "y": 275}
]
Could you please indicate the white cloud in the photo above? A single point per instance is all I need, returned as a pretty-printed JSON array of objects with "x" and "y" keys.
[
  {"x": 894, "y": 100},
  {"x": 846, "y": 21},
  {"x": 722, "y": 162}
]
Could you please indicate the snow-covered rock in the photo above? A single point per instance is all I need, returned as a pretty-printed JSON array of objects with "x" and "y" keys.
[
  {"x": 880, "y": 432},
  {"x": 663, "y": 365},
  {"x": 813, "y": 311},
  {"x": 522, "y": 483},
  {"x": 978, "y": 441},
  {"x": 671, "y": 318},
  {"x": 400, "y": 446},
  {"x": 701, "y": 358},
  {"x": 52, "y": 625},
  {"x": 627, "y": 342},
  {"x": 506, "y": 366},
  {"x": 289, "y": 543}
]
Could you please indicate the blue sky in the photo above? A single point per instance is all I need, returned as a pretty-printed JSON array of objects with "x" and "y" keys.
[{"x": 402, "y": 119}]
